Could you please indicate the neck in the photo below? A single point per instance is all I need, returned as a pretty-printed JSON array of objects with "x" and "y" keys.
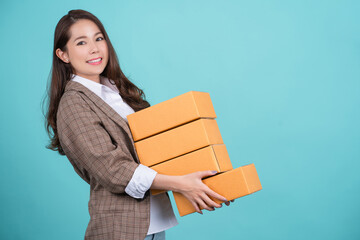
[{"x": 95, "y": 78}]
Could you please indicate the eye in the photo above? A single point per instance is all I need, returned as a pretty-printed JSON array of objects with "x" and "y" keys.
[
  {"x": 99, "y": 38},
  {"x": 80, "y": 43}
]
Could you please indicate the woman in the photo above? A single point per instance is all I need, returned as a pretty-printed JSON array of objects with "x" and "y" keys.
[{"x": 89, "y": 98}]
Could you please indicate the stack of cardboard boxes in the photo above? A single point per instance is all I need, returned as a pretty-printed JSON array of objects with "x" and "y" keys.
[{"x": 181, "y": 136}]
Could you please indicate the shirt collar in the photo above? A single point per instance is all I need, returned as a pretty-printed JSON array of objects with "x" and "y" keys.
[{"x": 98, "y": 88}]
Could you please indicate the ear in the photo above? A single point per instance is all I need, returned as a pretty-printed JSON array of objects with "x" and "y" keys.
[{"x": 62, "y": 55}]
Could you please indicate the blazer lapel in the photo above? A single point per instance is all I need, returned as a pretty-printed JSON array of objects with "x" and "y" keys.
[{"x": 109, "y": 111}]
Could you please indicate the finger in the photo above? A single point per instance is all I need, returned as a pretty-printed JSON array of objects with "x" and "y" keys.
[
  {"x": 213, "y": 194},
  {"x": 203, "y": 174},
  {"x": 203, "y": 205},
  {"x": 197, "y": 209},
  {"x": 210, "y": 202}
]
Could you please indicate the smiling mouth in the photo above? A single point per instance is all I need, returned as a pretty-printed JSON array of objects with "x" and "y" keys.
[{"x": 94, "y": 60}]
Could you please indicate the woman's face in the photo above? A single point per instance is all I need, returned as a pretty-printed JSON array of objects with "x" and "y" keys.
[{"x": 86, "y": 50}]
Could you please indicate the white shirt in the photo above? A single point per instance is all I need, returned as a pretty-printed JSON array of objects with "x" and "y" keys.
[{"x": 161, "y": 213}]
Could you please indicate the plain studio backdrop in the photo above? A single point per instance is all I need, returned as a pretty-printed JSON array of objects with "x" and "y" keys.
[{"x": 284, "y": 78}]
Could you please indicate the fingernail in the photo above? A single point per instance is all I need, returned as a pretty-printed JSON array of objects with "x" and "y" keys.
[
  {"x": 214, "y": 172},
  {"x": 225, "y": 200}
]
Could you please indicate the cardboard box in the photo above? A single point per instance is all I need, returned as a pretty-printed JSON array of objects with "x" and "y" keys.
[
  {"x": 213, "y": 157},
  {"x": 178, "y": 141},
  {"x": 232, "y": 184},
  {"x": 171, "y": 113}
]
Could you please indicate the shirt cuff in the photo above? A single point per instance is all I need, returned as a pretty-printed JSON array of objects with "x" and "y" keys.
[{"x": 141, "y": 181}]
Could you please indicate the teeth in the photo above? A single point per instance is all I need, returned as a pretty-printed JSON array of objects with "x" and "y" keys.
[{"x": 94, "y": 61}]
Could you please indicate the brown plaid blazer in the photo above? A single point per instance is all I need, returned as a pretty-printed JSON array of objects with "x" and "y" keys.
[{"x": 98, "y": 143}]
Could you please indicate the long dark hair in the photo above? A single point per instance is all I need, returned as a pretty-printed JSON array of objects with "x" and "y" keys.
[{"x": 61, "y": 74}]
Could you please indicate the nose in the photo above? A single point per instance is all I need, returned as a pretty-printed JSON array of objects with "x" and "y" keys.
[{"x": 93, "y": 47}]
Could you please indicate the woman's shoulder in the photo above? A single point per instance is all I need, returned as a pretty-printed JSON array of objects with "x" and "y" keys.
[
  {"x": 72, "y": 102},
  {"x": 73, "y": 93},
  {"x": 70, "y": 98}
]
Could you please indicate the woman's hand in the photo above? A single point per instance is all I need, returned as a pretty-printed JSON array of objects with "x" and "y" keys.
[
  {"x": 198, "y": 193},
  {"x": 192, "y": 187}
]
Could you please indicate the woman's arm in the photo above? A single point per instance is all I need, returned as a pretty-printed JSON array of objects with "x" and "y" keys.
[
  {"x": 89, "y": 147},
  {"x": 191, "y": 187}
]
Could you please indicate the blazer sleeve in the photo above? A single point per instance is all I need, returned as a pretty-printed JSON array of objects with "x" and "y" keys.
[{"x": 89, "y": 146}]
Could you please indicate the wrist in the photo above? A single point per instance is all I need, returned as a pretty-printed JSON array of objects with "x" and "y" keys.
[
  {"x": 168, "y": 183},
  {"x": 176, "y": 183}
]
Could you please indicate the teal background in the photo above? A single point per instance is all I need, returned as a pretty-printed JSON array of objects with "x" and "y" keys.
[{"x": 284, "y": 78}]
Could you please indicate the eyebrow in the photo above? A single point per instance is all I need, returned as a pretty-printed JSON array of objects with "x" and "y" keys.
[{"x": 86, "y": 37}]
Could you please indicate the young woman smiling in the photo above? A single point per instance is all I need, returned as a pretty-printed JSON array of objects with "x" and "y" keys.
[{"x": 89, "y": 99}]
